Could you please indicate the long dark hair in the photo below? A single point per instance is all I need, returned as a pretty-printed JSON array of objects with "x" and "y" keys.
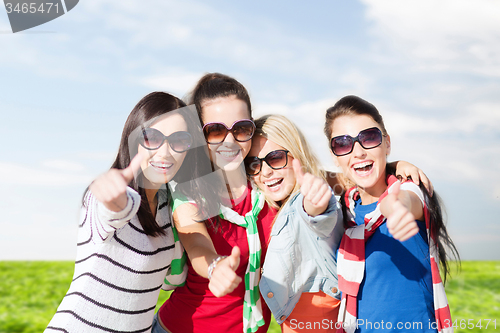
[
  {"x": 354, "y": 105},
  {"x": 145, "y": 112}
]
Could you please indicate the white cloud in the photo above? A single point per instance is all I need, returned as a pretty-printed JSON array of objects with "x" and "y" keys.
[
  {"x": 448, "y": 35},
  {"x": 63, "y": 165},
  {"x": 17, "y": 174},
  {"x": 176, "y": 81},
  {"x": 58, "y": 241}
]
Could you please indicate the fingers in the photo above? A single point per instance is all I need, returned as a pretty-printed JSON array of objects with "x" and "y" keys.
[
  {"x": 299, "y": 173},
  {"x": 316, "y": 194},
  {"x": 110, "y": 189},
  {"x": 426, "y": 181},
  {"x": 315, "y": 190},
  {"x": 129, "y": 172},
  {"x": 401, "y": 223},
  {"x": 224, "y": 278},
  {"x": 414, "y": 175}
]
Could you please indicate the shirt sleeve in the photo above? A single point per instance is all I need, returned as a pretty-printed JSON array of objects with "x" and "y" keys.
[
  {"x": 322, "y": 224},
  {"x": 412, "y": 187},
  {"x": 103, "y": 222}
]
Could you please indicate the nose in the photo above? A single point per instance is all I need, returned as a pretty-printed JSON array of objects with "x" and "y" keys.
[
  {"x": 229, "y": 138},
  {"x": 266, "y": 170},
  {"x": 164, "y": 149},
  {"x": 357, "y": 150}
]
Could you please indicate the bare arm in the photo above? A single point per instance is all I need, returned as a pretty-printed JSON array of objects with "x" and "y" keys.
[
  {"x": 406, "y": 170},
  {"x": 201, "y": 252}
]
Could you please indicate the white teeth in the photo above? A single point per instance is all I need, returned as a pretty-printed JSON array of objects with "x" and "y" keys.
[
  {"x": 161, "y": 165},
  {"x": 229, "y": 153},
  {"x": 272, "y": 182},
  {"x": 362, "y": 165}
]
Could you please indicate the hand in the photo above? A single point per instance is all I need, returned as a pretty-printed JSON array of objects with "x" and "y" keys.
[
  {"x": 405, "y": 170},
  {"x": 315, "y": 190},
  {"x": 224, "y": 279},
  {"x": 400, "y": 221},
  {"x": 110, "y": 188}
]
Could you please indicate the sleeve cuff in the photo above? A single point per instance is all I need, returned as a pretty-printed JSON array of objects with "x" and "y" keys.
[
  {"x": 412, "y": 187},
  {"x": 119, "y": 219}
]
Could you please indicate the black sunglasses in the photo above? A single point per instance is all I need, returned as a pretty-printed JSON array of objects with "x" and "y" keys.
[
  {"x": 344, "y": 144},
  {"x": 242, "y": 131},
  {"x": 153, "y": 139},
  {"x": 276, "y": 159}
]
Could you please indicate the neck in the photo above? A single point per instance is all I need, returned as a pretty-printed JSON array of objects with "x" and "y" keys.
[
  {"x": 373, "y": 193},
  {"x": 151, "y": 190},
  {"x": 236, "y": 183}
]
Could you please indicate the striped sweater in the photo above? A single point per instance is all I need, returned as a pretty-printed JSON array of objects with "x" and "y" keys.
[{"x": 119, "y": 270}]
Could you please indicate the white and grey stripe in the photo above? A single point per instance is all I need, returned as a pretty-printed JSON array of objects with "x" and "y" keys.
[{"x": 119, "y": 270}]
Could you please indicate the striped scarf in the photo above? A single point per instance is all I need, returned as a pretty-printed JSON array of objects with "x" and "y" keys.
[
  {"x": 351, "y": 264},
  {"x": 252, "y": 307},
  {"x": 177, "y": 271}
]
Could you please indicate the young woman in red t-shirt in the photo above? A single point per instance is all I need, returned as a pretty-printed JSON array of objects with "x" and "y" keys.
[{"x": 224, "y": 108}]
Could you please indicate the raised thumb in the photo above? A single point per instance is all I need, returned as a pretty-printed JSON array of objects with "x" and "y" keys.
[
  {"x": 129, "y": 172},
  {"x": 299, "y": 173},
  {"x": 234, "y": 258},
  {"x": 395, "y": 188}
]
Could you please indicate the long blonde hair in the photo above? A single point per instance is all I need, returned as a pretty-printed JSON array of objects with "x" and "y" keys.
[{"x": 280, "y": 130}]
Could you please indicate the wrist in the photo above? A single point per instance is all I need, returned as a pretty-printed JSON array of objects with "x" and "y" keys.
[{"x": 212, "y": 266}]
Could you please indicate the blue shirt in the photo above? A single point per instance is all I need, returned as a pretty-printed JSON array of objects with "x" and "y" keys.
[{"x": 396, "y": 292}]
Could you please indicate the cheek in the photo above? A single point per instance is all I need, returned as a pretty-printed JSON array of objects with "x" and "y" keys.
[
  {"x": 145, "y": 160},
  {"x": 342, "y": 162},
  {"x": 245, "y": 147},
  {"x": 258, "y": 181},
  {"x": 289, "y": 180}
]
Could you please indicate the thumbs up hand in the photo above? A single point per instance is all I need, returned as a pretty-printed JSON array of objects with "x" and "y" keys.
[
  {"x": 110, "y": 188},
  {"x": 400, "y": 220},
  {"x": 224, "y": 278},
  {"x": 315, "y": 190}
]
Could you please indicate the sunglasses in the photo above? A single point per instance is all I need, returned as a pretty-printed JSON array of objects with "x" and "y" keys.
[
  {"x": 153, "y": 139},
  {"x": 277, "y": 159},
  {"x": 242, "y": 131},
  {"x": 368, "y": 139}
]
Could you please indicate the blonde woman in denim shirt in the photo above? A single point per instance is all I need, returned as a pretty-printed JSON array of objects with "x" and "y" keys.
[{"x": 300, "y": 267}]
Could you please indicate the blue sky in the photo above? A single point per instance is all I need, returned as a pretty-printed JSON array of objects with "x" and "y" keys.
[{"x": 66, "y": 87}]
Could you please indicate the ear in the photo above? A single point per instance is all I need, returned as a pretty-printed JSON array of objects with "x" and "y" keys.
[{"x": 388, "y": 144}]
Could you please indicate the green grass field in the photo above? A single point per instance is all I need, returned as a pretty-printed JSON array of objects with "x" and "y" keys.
[{"x": 31, "y": 291}]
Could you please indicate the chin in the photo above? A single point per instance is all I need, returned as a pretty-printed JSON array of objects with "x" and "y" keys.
[{"x": 231, "y": 166}]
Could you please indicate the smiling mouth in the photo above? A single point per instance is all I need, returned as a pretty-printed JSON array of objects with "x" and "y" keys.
[
  {"x": 228, "y": 154},
  {"x": 161, "y": 166},
  {"x": 274, "y": 183},
  {"x": 363, "y": 167}
]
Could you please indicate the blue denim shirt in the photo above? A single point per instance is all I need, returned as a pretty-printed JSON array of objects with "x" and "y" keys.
[{"x": 301, "y": 256}]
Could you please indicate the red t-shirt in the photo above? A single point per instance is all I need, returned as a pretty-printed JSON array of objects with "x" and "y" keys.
[{"x": 193, "y": 308}]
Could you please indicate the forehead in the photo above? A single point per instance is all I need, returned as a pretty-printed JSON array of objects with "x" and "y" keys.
[
  {"x": 262, "y": 146},
  {"x": 170, "y": 123},
  {"x": 352, "y": 125},
  {"x": 225, "y": 110}
]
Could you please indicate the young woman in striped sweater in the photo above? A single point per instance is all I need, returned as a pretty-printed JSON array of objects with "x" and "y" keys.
[
  {"x": 395, "y": 237},
  {"x": 126, "y": 242}
]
